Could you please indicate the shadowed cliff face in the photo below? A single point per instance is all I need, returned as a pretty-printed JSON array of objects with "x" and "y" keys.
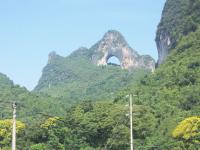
[
  {"x": 114, "y": 44},
  {"x": 163, "y": 45},
  {"x": 179, "y": 18}
]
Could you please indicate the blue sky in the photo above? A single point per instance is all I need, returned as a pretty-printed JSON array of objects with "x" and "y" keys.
[{"x": 30, "y": 29}]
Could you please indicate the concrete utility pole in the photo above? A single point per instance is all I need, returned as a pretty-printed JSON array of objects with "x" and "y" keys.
[
  {"x": 14, "y": 126},
  {"x": 131, "y": 122}
]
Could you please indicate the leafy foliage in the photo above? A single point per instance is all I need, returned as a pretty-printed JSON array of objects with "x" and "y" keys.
[
  {"x": 173, "y": 91},
  {"x": 93, "y": 125},
  {"x": 38, "y": 147},
  {"x": 4, "y": 81},
  {"x": 188, "y": 129},
  {"x": 50, "y": 122},
  {"x": 179, "y": 18},
  {"x": 163, "y": 99},
  {"x": 75, "y": 78},
  {"x": 6, "y": 130}
]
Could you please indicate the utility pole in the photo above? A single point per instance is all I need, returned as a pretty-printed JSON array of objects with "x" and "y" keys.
[
  {"x": 14, "y": 126},
  {"x": 131, "y": 122}
]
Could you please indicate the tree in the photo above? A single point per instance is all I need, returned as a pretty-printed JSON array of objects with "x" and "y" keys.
[
  {"x": 38, "y": 147},
  {"x": 6, "y": 131},
  {"x": 188, "y": 130},
  {"x": 50, "y": 122}
]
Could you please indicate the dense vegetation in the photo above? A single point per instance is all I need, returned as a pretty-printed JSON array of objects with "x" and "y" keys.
[
  {"x": 75, "y": 78},
  {"x": 166, "y": 107},
  {"x": 179, "y": 18},
  {"x": 188, "y": 129},
  {"x": 88, "y": 125},
  {"x": 173, "y": 91}
]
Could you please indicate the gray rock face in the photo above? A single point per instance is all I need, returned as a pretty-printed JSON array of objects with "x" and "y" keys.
[
  {"x": 179, "y": 18},
  {"x": 163, "y": 43},
  {"x": 52, "y": 56},
  {"x": 114, "y": 44}
]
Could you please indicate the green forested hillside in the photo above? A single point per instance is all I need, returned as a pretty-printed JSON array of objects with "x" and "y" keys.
[
  {"x": 75, "y": 78},
  {"x": 29, "y": 104},
  {"x": 166, "y": 109},
  {"x": 179, "y": 18},
  {"x": 5, "y": 81},
  {"x": 31, "y": 110},
  {"x": 173, "y": 92}
]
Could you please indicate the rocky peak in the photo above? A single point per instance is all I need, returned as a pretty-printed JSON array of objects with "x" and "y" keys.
[
  {"x": 114, "y": 44},
  {"x": 52, "y": 55},
  {"x": 114, "y": 38}
]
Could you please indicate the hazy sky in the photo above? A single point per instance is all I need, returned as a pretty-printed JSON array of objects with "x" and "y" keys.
[{"x": 30, "y": 29}]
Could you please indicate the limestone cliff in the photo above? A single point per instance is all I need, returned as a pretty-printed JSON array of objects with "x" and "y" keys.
[
  {"x": 78, "y": 76},
  {"x": 163, "y": 43},
  {"x": 179, "y": 18},
  {"x": 114, "y": 44}
]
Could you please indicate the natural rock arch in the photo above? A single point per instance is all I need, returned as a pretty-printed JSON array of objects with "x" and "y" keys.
[
  {"x": 113, "y": 60},
  {"x": 114, "y": 44},
  {"x": 124, "y": 56}
]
